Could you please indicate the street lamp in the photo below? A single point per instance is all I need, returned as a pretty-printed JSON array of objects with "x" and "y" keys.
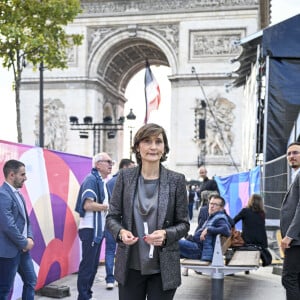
[
  {"x": 200, "y": 130},
  {"x": 41, "y": 129},
  {"x": 130, "y": 117},
  {"x": 88, "y": 125}
]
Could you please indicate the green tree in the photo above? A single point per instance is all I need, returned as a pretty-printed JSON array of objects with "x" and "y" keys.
[{"x": 33, "y": 31}]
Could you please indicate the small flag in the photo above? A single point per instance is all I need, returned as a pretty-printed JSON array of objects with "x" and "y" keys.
[{"x": 152, "y": 92}]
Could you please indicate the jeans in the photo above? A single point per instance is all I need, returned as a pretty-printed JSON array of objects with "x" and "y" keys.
[
  {"x": 189, "y": 249},
  {"x": 89, "y": 263},
  {"x": 191, "y": 207},
  {"x": 110, "y": 250},
  {"x": 21, "y": 263}
]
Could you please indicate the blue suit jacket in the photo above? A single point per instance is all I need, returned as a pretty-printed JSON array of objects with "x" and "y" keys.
[{"x": 12, "y": 223}]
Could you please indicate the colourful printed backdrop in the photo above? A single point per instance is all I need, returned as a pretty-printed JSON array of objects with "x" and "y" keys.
[
  {"x": 53, "y": 180},
  {"x": 236, "y": 189}
]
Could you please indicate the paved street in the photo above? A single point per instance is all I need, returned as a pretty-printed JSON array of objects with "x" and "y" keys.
[{"x": 258, "y": 285}]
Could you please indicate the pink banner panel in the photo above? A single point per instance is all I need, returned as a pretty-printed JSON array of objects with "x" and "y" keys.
[{"x": 53, "y": 181}]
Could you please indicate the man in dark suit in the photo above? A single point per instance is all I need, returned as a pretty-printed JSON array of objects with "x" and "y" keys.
[
  {"x": 290, "y": 227},
  {"x": 16, "y": 238}
]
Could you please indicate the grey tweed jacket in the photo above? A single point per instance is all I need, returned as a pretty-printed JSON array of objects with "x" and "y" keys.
[
  {"x": 172, "y": 216},
  {"x": 290, "y": 212}
]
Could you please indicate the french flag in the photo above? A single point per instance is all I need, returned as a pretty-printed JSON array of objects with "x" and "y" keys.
[{"x": 152, "y": 92}]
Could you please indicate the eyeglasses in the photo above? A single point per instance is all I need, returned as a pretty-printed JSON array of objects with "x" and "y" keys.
[
  {"x": 110, "y": 162},
  {"x": 293, "y": 153},
  {"x": 214, "y": 204}
]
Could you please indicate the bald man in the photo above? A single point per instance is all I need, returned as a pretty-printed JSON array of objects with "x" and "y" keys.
[{"x": 207, "y": 184}]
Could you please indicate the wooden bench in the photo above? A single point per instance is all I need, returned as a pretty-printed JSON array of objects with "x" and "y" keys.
[{"x": 241, "y": 261}]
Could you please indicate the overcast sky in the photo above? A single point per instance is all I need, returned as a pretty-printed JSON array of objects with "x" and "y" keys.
[{"x": 281, "y": 10}]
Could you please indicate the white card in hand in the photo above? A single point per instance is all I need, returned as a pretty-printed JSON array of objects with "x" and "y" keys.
[{"x": 146, "y": 231}]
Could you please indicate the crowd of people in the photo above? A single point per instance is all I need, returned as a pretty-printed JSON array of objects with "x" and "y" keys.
[{"x": 143, "y": 214}]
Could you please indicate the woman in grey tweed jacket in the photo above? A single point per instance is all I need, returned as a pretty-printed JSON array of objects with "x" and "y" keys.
[{"x": 147, "y": 216}]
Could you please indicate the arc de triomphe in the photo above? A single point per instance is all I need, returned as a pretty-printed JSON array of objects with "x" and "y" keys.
[{"x": 195, "y": 38}]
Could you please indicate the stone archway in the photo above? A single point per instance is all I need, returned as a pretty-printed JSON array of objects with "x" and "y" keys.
[
  {"x": 119, "y": 36},
  {"x": 117, "y": 55}
]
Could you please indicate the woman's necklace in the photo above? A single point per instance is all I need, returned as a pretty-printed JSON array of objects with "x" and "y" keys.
[{"x": 147, "y": 195}]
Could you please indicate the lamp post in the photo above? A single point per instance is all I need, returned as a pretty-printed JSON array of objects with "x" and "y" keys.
[
  {"x": 130, "y": 117},
  {"x": 200, "y": 130},
  {"x": 41, "y": 128},
  {"x": 88, "y": 125}
]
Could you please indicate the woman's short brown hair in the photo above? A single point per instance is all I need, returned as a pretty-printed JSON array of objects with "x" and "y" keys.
[{"x": 147, "y": 131}]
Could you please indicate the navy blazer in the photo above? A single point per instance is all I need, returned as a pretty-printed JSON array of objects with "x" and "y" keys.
[
  {"x": 290, "y": 213},
  {"x": 12, "y": 223},
  {"x": 172, "y": 216}
]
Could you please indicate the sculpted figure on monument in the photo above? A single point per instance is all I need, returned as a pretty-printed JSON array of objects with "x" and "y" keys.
[
  {"x": 96, "y": 35},
  {"x": 219, "y": 137},
  {"x": 170, "y": 32},
  {"x": 55, "y": 125}
]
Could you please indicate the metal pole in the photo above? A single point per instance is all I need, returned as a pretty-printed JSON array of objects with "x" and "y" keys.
[
  {"x": 95, "y": 141},
  {"x": 130, "y": 144},
  {"x": 41, "y": 132},
  {"x": 217, "y": 287}
]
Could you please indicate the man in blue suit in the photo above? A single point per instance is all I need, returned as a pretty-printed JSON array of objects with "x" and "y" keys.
[{"x": 16, "y": 238}]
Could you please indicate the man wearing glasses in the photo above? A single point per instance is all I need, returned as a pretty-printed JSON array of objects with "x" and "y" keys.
[
  {"x": 290, "y": 227},
  {"x": 202, "y": 245},
  {"x": 92, "y": 206}
]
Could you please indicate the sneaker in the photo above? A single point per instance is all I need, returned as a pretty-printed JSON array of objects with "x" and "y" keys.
[
  {"x": 185, "y": 272},
  {"x": 109, "y": 286}
]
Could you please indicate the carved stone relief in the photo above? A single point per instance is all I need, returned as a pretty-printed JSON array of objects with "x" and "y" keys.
[
  {"x": 72, "y": 56},
  {"x": 169, "y": 31},
  {"x": 219, "y": 120},
  {"x": 55, "y": 125},
  {"x": 146, "y": 6},
  {"x": 214, "y": 43},
  {"x": 95, "y": 35}
]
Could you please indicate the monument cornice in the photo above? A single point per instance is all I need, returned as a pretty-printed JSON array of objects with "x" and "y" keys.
[
  {"x": 158, "y": 6},
  {"x": 75, "y": 82},
  {"x": 184, "y": 77},
  {"x": 210, "y": 79}
]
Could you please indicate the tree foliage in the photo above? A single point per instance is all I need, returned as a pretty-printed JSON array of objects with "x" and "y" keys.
[{"x": 34, "y": 31}]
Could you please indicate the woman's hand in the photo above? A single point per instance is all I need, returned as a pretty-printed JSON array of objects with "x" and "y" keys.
[
  {"x": 156, "y": 238},
  {"x": 127, "y": 237}
]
